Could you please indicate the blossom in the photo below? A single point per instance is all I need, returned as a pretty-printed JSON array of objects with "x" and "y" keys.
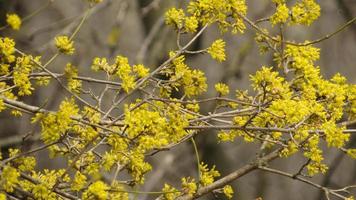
[
  {"x": 14, "y": 21},
  {"x": 64, "y": 44},
  {"x": 305, "y": 12},
  {"x": 217, "y": 50},
  {"x": 79, "y": 181},
  {"x": 228, "y": 191},
  {"x": 97, "y": 190},
  {"x": 175, "y": 17},
  {"x": 222, "y": 88},
  {"x": 9, "y": 178},
  {"x": 140, "y": 70},
  {"x": 207, "y": 176},
  {"x": 191, "y": 24},
  {"x": 281, "y": 15}
]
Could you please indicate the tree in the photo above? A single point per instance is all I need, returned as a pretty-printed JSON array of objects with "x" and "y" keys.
[{"x": 138, "y": 112}]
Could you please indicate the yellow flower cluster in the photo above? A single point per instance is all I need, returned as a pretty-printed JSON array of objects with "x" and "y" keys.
[
  {"x": 46, "y": 181},
  {"x": 79, "y": 181},
  {"x": 226, "y": 13},
  {"x": 7, "y": 50},
  {"x": 191, "y": 24},
  {"x": 189, "y": 185},
  {"x": 334, "y": 134},
  {"x": 122, "y": 69},
  {"x": 217, "y": 50},
  {"x": 102, "y": 64},
  {"x": 305, "y": 12},
  {"x": 315, "y": 156},
  {"x": 24, "y": 164},
  {"x": 175, "y": 17},
  {"x": 9, "y": 178},
  {"x": 170, "y": 193},
  {"x": 207, "y": 176},
  {"x": 270, "y": 82},
  {"x": 55, "y": 125},
  {"x": 23, "y": 68},
  {"x": 281, "y": 15},
  {"x": 193, "y": 81},
  {"x": 289, "y": 150},
  {"x": 222, "y": 88},
  {"x": 140, "y": 70},
  {"x": 124, "y": 72},
  {"x": 97, "y": 190},
  {"x": 64, "y": 44},
  {"x": 14, "y": 21},
  {"x": 351, "y": 153},
  {"x": 228, "y": 191},
  {"x": 71, "y": 73}
]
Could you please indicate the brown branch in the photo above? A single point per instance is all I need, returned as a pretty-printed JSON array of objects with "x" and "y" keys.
[{"x": 232, "y": 176}]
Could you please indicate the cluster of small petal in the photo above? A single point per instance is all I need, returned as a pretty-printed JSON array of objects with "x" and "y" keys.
[
  {"x": 71, "y": 72},
  {"x": 281, "y": 15},
  {"x": 222, "y": 88},
  {"x": 14, "y": 21},
  {"x": 226, "y": 13},
  {"x": 228, "y": 191},
  {"x": 22, "y": 70},
  {"x": 217, "y": 50},
  {"x": 305, "y": 12},
  {"x": 122, "y": 69},
  {"x": 97, "y": 190},
  {"x": 64, "y": 44},
  {"x": 207, "y": 176},
  {"x": 55, "y": 125},
  {"x": 193, "y": 81},
  {"x": 175, "y": 17},
  {"x": 189, "y": 186}
]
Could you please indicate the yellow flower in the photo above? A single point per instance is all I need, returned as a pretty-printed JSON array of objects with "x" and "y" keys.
[
  {"x": 170, "y": 193},
  {"x": 351, "y": 153},
  {"x": 281, "y": 15},
  {"x": 140, "y": 70},
  {"x": 191, "y": 24},
  {"x": 189, "y": 186},
  {"x": 7, "y": 49},
  {"x": 64, "y": 45},
  {"x": 124, "y": 72},
  {"x": 9, "y": 178},
  {"x": 228, "y": 191},
  {"x": 79, "y": 181},
  {"x": 207, "y": 176},
  {"x": 71, "y": 72},
  {"x": 14, "y": 21},
  {"x": 217, "y": 50},
  {"x": 97, "y": 190},
  {"x": 175, "y": 17},
  {"x": 305, "y": 12},
  {"x": 222, "y": 88}
]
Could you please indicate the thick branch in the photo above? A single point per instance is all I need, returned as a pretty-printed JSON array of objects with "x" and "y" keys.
[{"x": 232, "y": 176}]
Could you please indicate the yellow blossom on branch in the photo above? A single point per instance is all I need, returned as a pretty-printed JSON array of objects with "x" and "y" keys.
[
  {"x": 222, "y": 88},
  {"x": 64, "y": 44},
  {"x": 217, "y": 50},
  {"x": 14, "y": 21}
]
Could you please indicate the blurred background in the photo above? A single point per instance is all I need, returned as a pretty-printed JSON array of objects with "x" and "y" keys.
[{"x": 135, "y": 28}]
